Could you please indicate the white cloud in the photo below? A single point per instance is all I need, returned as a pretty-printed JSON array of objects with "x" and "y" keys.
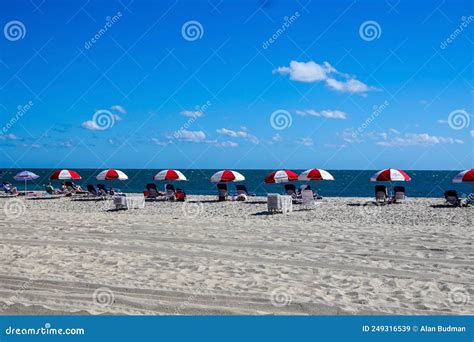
[
  {"x": 306, "y": 72},
  {"x": 472, "y": 133},
  {"x": 30, "y": 145},
  {"x": 8, "y": 137},
  {"x": 119, "y": 109},
  {"x": 393, "y": 130},
  {"x": 414, "y": 139},
  {"x": 305, "y": 141},
  {"x": 394, "y": 138},
  {"x": 350, "y": 136},
  {"x": 192, "y": 114},
  {"x": 330, "y": 114},
  {"x": 349, "y": 86},
  {"x": 311, "y": 72},
  {"x": 158, "y": 142},
  {"x": 442, "y": 122},
  {"x": 229, "y": 144},
  {"x": 193, "y": 136},
  {"x": 238, "y": 134},
  {"x": 277, "y": 138},
  {"x": 91, "y": 125}
]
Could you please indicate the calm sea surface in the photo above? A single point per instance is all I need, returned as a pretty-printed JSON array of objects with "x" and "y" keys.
[{"x": 348, "y": 183}]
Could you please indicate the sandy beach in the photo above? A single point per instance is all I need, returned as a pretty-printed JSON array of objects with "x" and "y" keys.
[{"x": 62, "y": 256}]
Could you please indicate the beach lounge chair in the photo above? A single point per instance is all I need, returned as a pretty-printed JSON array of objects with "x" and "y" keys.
[
  {"x": 291, "y": 190},
  {"x": 9, "y": 189},
  {"x": 102, "y": 190},
  {"x": 381, "y": 194},
  {"x": 69, "y": 187},
  {"x": 242, "y": 193},
  {"x": 92, "y": 190},
  {"x": 452, "y": 198},
  {"x": 153, "y": 192},
  {"x": 170, "y": 192},
  {"x": 73, "y": 188},
  {"x": 242, "y": 189},
  {"x": 308, "y": 187},
  {"x": 399, "y": 194},
  {"x": 470, "y": 199},
  {"x": 222, "y": 192}
]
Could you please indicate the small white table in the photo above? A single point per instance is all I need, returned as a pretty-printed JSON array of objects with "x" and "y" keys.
[
  {"x": 286, "y": 203},
  {"x": 129, "y": 202},
  {"x": 276, "y": 202}
]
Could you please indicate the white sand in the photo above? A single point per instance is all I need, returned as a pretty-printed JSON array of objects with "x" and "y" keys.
[{"x": 206, "y": 257}]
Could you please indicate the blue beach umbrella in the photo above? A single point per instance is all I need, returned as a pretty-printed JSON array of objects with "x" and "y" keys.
[{"x": 25, "y": 176}]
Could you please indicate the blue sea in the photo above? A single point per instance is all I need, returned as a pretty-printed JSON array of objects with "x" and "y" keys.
[{"x": 348, "y": 183}]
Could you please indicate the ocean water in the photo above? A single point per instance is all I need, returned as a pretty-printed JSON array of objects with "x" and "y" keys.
[{"x": 348, "y": 183}]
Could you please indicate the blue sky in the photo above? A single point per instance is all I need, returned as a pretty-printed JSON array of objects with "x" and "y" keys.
[{"x": 237, "y": 84}]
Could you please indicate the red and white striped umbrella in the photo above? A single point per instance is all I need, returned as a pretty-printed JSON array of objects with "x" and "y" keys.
[
  {"x": 227, "y": 176},
  {"x": 111, "y": 174},
  {"x": 390, "y": 175},
  {"x": 281, "y": 176},
  {"x": 464, "y": 176},
  {"x": 169, "y": 175},
  {"x": 65, "y": 174},
  {"x": 315, "y": 174}
]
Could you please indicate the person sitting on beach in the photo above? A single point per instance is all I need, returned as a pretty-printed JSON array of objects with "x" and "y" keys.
[
  {"x": 8, "y": 188},
  {"x": 76, "y": 187},
  {"x": 49, "y": 189}
]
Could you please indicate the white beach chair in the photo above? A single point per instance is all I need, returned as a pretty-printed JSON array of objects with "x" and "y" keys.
[
  {"x": 307, "y": 197},
  {"x": 286, "y": 204},
  {"x": 381, "y": 194},
  {"x": 399, "y": 194}
]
